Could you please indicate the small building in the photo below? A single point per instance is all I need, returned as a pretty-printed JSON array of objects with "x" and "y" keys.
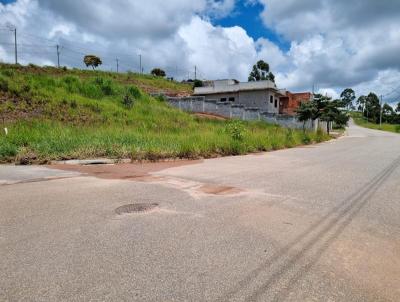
[{"x": 262, "y": 94}]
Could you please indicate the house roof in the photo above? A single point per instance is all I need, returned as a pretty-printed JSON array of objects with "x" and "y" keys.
[{"x": 230, "y": 86}]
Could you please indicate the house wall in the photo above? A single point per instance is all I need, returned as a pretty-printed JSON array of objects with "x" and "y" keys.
[
  {"x": 292, "y": 101},
  {"x": 256, "y": 98}
]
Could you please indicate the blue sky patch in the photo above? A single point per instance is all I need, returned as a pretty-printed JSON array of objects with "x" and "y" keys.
[{"x": 248, "y": 17}]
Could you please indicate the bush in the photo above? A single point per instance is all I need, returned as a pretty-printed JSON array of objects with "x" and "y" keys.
[
  {"x": 25, "y": 156},
  {"x": 8, "y": 73},
  {"x": 236, "y": 130},
  {"x": 306, "y": 139},
  {"x": 161, "y": 98},
  {"x": 134, "y": 92},
  {"x": 3, "y": 85},
  {"x": 105, "y": 85},
  {"x": 127, "y": 101},
  {"x": 73, "y": 104},
  {"x": 319, "y": 135}
]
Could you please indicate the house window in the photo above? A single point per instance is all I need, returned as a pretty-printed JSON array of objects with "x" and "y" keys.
[
  {"x": 271, "y": 99},
  {"x": 276, "y": 103},
  {"x": 223, "y": 99},
  {"x": 231, "y": 99}
]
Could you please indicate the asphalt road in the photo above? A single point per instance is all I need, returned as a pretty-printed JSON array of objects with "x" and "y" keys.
[{"x": 318, "y": 223}]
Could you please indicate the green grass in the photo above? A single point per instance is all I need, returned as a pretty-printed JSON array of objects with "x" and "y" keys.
[
  {"x": 53, "y": 114},
  {"x": 360, "y": 121}
]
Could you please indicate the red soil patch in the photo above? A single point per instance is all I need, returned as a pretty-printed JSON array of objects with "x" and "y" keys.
[
  {"x": 210, "y": 116},
  {"x": 219, "y": 190},
  {"x": 133, "y": 171}
]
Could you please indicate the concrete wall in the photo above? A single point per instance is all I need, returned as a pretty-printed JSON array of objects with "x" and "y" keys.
[
  {"x": 254, "y": 98},
  {"x": 240, "y": 111}
]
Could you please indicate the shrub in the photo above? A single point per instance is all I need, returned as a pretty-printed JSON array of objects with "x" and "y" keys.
[
  {"x": 31, "y": 65},
  {"x": 26, "y": 88},
  {"x": 73, "y": 104},
  {"x": 65, "y": 68},
  {"x": 306, "y": 139},
  {"x": 160, "y": 98},
  {"x": 235, "y": 129},
  {"x": 25, "y": 156},
  {"x": 158, "y": 72},
  {"x": 134, "y": 91},
  {"x": 127, "y": 101},
  {"x": 105, "y": 85},
  {"x": 319, "y": 137},
  {"x": 8, "y": 73},
  {"x": 3, "y": 84}
]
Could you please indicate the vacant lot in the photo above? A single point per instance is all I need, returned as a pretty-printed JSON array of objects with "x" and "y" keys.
[{"x": 59, "y": 114}]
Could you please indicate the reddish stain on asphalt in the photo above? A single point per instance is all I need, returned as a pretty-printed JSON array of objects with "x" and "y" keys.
[{"x": 131, "y": 171}]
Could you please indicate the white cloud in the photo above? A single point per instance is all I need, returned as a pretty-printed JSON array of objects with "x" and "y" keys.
[
  {"x": 329, "y": 92},
  {"x": 336, "y": 44},
  {"x": 333, "y": 45},
  {"x": 217, "y": 51}
]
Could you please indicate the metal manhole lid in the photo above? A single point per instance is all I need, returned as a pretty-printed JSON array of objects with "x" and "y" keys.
[{"x": 135, "y": 208}]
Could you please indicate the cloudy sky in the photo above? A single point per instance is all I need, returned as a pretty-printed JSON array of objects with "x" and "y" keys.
[{"x": 329, "y": 44}]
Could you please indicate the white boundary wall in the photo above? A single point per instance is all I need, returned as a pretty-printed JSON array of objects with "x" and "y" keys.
[{"x": 226, "y": 109}]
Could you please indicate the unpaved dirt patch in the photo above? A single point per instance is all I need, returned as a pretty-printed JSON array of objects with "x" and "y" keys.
[{"x": 210, "y": 116}]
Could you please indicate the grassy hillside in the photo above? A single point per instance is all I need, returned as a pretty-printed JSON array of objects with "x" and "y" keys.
[
  {"x": 359, "y": 120},
  {"x": 55, "y": 114}
]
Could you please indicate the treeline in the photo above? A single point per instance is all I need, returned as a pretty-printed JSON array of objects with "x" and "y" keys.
[
  {"x": 370, "y": 107},
  {"x": 324, "y": 108}
]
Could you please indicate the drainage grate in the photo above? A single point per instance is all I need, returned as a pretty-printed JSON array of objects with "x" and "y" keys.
[{"x": 136, "y": 208}]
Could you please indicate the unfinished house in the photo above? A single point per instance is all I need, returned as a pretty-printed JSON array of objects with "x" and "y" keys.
[
  {"x": 263, "y": 94},
  {"x": 291, "y": 101}
]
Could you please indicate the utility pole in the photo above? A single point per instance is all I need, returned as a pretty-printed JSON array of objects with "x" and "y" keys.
[
  {"x": 195, "y": 72},
  {"x": 15, "y": 45},
  {"x": 58, "y": 56},
  {"x": 140, "y": 63},
  {"x": 117, "y": 65},
  {"x": 380, "y": 117}
]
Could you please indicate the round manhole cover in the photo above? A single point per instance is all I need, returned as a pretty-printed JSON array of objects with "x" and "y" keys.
[{"x": 135, "y": 208}]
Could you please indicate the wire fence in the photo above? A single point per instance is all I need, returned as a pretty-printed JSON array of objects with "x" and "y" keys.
[{"x": 43, "y": 51}]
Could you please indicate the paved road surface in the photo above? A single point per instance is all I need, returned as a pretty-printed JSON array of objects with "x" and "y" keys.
[{"x": 319, "y": 223}]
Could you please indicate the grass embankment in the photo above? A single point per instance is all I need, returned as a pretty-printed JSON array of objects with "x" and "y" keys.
[
  {"x": 360, "y": 121},
  {"x": 55, "y": 114}
]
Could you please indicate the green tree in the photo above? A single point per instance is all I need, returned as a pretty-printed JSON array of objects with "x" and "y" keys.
[
  {"x": 361, "y": 101},
  {"x": 306, "y": 111},
  {"x": 348, "y": 96},
  {"x": 329, "y": 114},
  {"x": 92, "y": 60},
  {"x": 261, "y": 72},
  {"x": 388, "y": 114},
  {"x": 324, "y": 108},
  {"x": 158, "y": 72},
  {"x": 198, "y": 83},
  {"x": 372, "y": 107},
  {"x": 398, "y": 107}
]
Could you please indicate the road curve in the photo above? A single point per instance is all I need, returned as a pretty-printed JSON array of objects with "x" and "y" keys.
[{"x": 316, "y": 223}]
